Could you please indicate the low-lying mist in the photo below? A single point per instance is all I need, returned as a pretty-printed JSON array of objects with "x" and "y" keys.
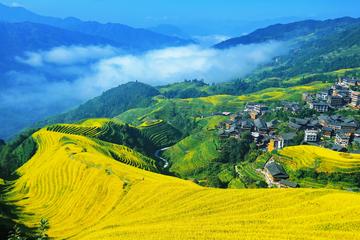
[{"x": 65, "y": 76}]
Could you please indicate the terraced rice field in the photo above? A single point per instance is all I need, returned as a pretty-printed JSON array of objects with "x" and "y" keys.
[
  {"x": 322, "y": 159},
  {"x": 247, "y": 170},
  {"x": 85, "y": 194},
  {"x": 88, "y": 128},
  {"x": 161, "y": 133},
  {"x": 193, "y": 153}
]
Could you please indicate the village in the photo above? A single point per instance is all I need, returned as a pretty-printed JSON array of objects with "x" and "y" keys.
[{"x": 321, "y": 125}]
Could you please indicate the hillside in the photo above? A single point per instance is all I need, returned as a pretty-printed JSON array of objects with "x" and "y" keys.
[
  {"x": 319, "y": 167},
  {"x": 17, "y": 152},
  {"x": 109, "y": 104},
  {"x": 315, "y": 47},
  {"x": 161, "y": 133},
  {"x": 194, "y": 117},
  {"x": 321, "y": 159},
  {"x": 283, "y": 32},
  {"x": 129, "y": 203}
]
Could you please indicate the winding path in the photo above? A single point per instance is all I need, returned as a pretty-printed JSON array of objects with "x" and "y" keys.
[{"x": 157, "y": 154}]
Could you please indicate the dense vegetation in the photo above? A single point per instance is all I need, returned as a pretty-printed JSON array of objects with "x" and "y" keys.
[
  {"x": 15, "y": 153},
  {"x": 110, "y": 103},
  {"x": 187, "y": 89}
]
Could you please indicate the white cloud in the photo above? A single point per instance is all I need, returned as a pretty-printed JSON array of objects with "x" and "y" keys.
[
  {"x": 179, "y": 63},
  {"x": 68, "y": 55},
  {"x": 66, "y": 76}
]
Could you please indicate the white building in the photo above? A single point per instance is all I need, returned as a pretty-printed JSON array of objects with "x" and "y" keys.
[
  {"x": 319, "y": 106},
  {"x": 342, "y": 140},
  {"x": 311, "y": 135},
  {"x": 355, "y": 99}
]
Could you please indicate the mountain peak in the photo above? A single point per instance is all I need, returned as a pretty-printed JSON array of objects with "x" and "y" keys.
[{"x": 283, "y": 32}]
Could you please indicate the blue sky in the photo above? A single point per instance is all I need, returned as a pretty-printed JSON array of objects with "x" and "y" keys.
[{"x": 191, "y": 12}]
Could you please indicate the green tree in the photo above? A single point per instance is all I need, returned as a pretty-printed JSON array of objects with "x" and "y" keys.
[
  {"x": 44, "y": 227},
  {"x": 16, "y": 234}
]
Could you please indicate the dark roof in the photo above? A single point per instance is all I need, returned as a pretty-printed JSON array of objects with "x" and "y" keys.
[
  {"x": 320, "y": 103},
  {"x": 327, "y": 129},
  {"x": 348, "y": 124},
  {"x": 247, "y": 123},
  {"x": 294, "y": 125},
  {"x": 301, "y": 121},
  {"x": 260, "y": 124},
  {"x": 276, "y": 170},
  {"x": 289, "y": 183},
  {"x": 288, "y": 136}
]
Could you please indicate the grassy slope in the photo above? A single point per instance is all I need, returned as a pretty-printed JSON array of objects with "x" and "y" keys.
[
  {"x": 198, "y": 150},
  {"x": 160, "y": 133},
  {"x": 88, "y": 195}
]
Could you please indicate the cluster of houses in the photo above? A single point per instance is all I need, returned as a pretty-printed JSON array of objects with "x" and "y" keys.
[
  {"x": 336, "y": 129},
  {"x": 250, "y": 120},
  {"x": 262, "y": 132},
  {"x": 325, "y": 129},
  {"x": 332, "y": 131},
  {"x": 343, "y": 93}
]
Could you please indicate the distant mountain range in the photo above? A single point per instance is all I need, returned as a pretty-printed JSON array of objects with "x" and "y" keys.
[
  {"x": 17, "y": 38},
  {"x": 283, "y": 32},
  {"x": 118, "y": 34}
]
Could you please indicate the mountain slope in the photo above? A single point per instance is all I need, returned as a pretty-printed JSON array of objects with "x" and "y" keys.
[
  {"x": 110, "y": 103},
  {"x": 283, "y": 32},
  {"x": 122, "y": 35},
  {"x": 316, "y": 51},
  {"x": 85, "y": 194}
]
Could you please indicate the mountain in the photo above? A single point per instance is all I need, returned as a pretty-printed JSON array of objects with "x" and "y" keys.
[
  {"x": 283, "y": 32},
  {"x": 134, "y": 38},
  {"x": 316, "y": 51},
  {"x": 110, "y": 103}
]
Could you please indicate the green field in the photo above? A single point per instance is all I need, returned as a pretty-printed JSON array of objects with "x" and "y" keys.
[{"x": 161, "y": 133}]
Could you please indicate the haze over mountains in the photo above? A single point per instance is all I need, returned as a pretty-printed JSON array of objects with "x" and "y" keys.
[{"x": 40, "y": 55}]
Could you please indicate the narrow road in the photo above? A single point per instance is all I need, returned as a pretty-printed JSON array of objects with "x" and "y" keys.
[{"x": 157, "y": 154}]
